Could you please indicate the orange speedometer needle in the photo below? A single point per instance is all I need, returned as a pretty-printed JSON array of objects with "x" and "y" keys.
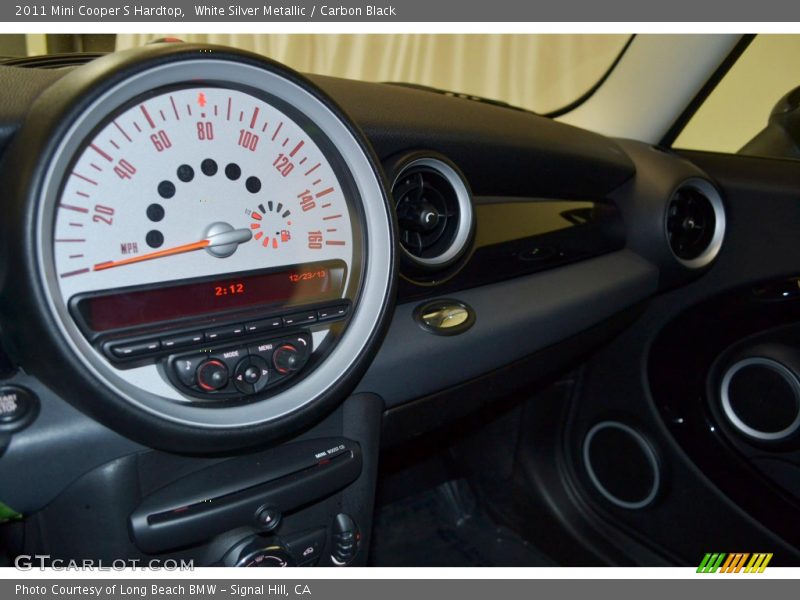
[
  {"x": 229, "y": 239},
  {"x": 151, "y": 255}
]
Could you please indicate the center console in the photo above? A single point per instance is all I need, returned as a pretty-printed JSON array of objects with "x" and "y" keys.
[{"x": 305, "y": 502}]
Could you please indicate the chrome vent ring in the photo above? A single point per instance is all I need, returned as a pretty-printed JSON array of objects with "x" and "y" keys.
[
  {"x": 695, "y": 223},
  {"x": 434, "y": 212}
]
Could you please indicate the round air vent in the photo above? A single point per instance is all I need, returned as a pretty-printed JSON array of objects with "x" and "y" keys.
[
  {"x": 695, "y": 223},
  {"x": 434, "y": 212}
]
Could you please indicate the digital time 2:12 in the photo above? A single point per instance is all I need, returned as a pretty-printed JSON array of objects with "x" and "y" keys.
[{"x": 224, "y": 290}]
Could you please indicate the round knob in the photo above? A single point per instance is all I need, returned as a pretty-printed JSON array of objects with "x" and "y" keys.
[
  {"x": 268, "y": 518},
  {"x": 212, "y": 375},
  {"x": 421, "y": 216},
  {"x": 286, "y": 359},
  {"x": 252, "y": 374},
  {"x": 428, "y": 217}
]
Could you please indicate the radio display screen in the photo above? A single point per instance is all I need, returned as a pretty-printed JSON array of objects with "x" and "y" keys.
[{"x": 275, "y": 289}]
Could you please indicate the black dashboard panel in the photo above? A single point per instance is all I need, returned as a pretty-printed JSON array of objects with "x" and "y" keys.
[
  {"x": 502, "y": 151},
  {"x": 557, "y": 252},
  {"x": 598, "y": 285},
  {"x": 549, "y": 246},
  {"x": 514, "y": 318},
  {"x": 521, "y": 236},
  {"x": 28, "y": 84}
]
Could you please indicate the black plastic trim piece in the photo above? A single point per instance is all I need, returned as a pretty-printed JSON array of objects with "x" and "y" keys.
[
  {"x": 7, "y": 367},
  {"x": 502, "y": 152},
  {"x": 522, "y": 236},
  {"x": 231, "y": 493},
  {"x": 413, "y": 419},
  {"x": 516, "y": 318},
  {"x": 44, "y": 458}
]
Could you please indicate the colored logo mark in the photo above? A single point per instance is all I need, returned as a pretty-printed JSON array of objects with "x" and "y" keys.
[{"x": 736, "y": 562}]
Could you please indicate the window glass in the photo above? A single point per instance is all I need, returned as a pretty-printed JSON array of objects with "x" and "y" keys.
[
  {"x": 540, "y": 72},
  {"x": 738, "y": 108}
]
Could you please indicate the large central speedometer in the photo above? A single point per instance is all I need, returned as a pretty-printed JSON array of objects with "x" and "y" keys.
[
  {"x": 207, "y": 244},
  {"x": 206, "y": 181}
]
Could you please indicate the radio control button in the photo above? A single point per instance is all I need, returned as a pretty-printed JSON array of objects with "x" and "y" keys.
[
  {"x": 131, "y": 349},
  {"x": 212, "y": 375},
  {"x": 185, "y": 368},
  {"x": 251, "y": 375},
  {"x": 286, "y": 359},
  {"x": 284, "y": 355},
  {"x": 264, "y": 325},
  {"x": 181, "y": 340},
  {"x": 242, "y": 385},
  {"x": 332, "y": 312},
  {"x": 300, "y": 318},
  {"x": 303, "y": 344},
  {"x": 221, "y": 333}
]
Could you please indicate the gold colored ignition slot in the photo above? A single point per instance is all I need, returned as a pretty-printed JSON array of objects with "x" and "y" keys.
[{"x": 445, "y": 317}]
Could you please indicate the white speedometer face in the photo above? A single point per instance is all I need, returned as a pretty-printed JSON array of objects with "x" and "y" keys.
[
  {"x": 213, "y": 239},
  {"x": 197, "y": 182}
]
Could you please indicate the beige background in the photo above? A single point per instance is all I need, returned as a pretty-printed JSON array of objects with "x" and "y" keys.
[
  {"x": 539, "y": 72},
  {"x": 740, "y": 105}
]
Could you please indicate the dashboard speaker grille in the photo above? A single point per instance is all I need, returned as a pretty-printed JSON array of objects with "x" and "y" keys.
[
  {"x": 621, "y": 465},
  {"x": 761, "y": 398}
]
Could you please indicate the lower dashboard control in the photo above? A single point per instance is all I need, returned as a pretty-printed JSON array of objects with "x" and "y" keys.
[
  {"x": 18, "y": 407},
  {"x": 345, "y": 539},
  {"x": 268, "y": 518},
  {"x": 145, "y": 347},
  {"x": 267, "y": 557},
  {"x": 251, "y": 375},
  {"x": 286, "y": 358},
  {"x": 124, "y": 350},
  {"x": 212, "y": 375},
  {"x": 302, "y": 549},
  {"x": 271, "y": 556},
  {"x": 307, "y": 547},
  {"x": 229, "y": 372},
  {"x": 14, "y": 404}
]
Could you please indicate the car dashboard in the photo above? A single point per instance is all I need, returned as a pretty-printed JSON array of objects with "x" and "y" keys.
[{"x": 226, "y": 286}]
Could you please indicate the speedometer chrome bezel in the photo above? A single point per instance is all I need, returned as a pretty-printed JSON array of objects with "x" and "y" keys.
[{"x": 154, "y": 68}]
